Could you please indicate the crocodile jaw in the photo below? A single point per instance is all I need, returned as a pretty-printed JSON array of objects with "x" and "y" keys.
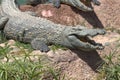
[{"x": 87, "y": 41}]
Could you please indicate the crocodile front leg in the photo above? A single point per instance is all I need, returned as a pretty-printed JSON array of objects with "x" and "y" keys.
[
  {"x": 3, "y": 21},
  {"x": 40, "y": 44}
]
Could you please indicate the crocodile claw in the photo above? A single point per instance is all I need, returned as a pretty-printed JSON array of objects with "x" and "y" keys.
[
  {"x": 38, "y": 44},
  {"x": 96, "y": 2},
  {"x": 56, "y": 3}
]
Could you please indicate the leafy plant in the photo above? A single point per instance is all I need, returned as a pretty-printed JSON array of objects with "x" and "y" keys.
[
  {"x": 56, "y": 47},
  {"x": 27, "y": 70},
  {"x": 4, "y": 51},
  {"x": 22, "y": 67},
  {"x": 25, "y": 46},
  {"x": 111, "y": 69},
  {"x": 2, "y": 37}
]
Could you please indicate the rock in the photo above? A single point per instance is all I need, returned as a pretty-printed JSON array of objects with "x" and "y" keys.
[
  {"x": 2, "y": 45},
  {"x": 11, "y": 42}
]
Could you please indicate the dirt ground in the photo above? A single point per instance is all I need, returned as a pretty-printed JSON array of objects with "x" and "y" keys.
[{"x": 79, "y": 65}]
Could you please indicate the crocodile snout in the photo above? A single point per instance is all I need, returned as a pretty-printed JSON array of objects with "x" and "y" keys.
[{"x": 102, "y": 31}]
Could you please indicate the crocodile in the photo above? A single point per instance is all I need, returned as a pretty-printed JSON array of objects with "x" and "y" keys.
[
  {"x": 41, "y": 33},
  {"x": 76, "y": 3},
  {"x": 56, "y": 3}
]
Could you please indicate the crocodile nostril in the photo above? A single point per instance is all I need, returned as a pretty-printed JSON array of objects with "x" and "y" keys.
[{"x": 104, "y": 32}]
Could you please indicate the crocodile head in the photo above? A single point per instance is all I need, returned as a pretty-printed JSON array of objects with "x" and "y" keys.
[{"x": 82, "y": 38}]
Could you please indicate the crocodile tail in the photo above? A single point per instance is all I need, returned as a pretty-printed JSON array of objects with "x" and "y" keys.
[{"x": 78, "y": 4}]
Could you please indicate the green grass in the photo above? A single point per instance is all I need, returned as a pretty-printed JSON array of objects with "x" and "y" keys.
[
  {"x": 56, "y": 47},
  {"x": 24, "y": 46},
  {"x": 4, "y": 51},
  {"x": 26, "y": 70},
  {"x": 22, "y": 67},
  {"x": 2, "y": 37},
  {"x": 111, "y": 68}
]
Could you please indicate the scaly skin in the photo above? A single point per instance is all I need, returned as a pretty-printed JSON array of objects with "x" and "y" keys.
[
  {"x": 40, "y": 32},
  {"x": 35, "y": 2},
  {"x": 75, "y": 3}
]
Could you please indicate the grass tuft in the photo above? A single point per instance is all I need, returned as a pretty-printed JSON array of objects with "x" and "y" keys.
[
  {"x": 111, "y": 68},
  {"x": 56, "y": 47},
  {"x": 23, "y": 67}
]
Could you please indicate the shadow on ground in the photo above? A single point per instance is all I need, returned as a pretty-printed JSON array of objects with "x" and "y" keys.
[
  {"x": 90, "y": 16},
  {"x": 66, "y": 15},
  {"x": 92, "y": 58}
]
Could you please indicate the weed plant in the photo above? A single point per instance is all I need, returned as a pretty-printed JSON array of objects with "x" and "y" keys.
[
  {"x": 2, "y": 37},
  {"x": 22, "y": 67},
  {"x": 56, "y": 47},
  {"x": 25, "y": 69},
  {"x": 111, "y": 68}
]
